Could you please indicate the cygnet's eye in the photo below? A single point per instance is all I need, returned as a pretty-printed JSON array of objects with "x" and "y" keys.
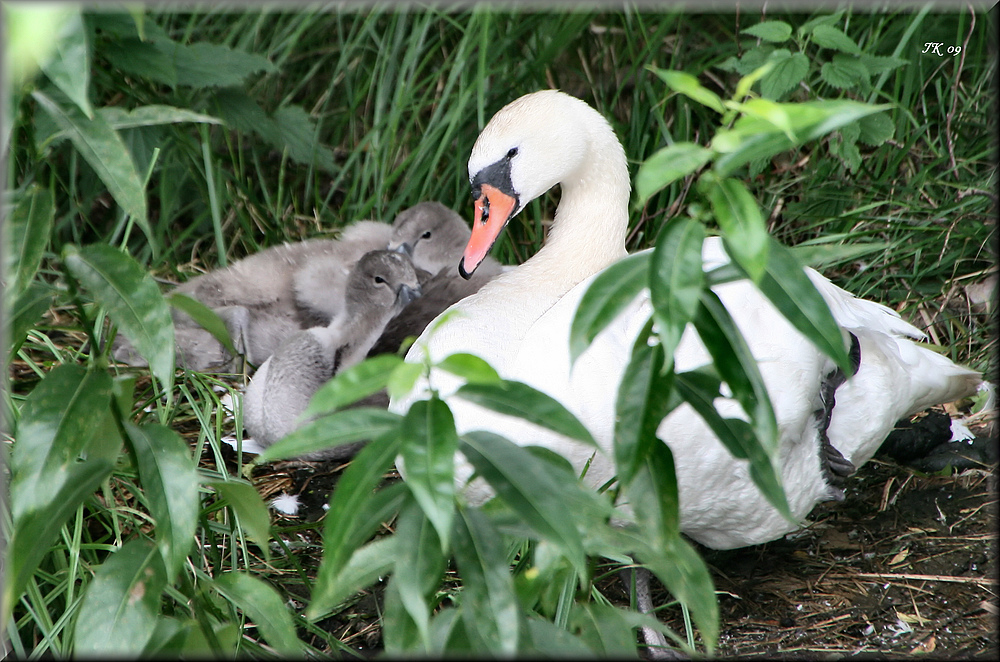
[
  {"x": 379, "y": 280},
  {"x": 512, "y": 153},
  {"x": 426, "y": 235}
]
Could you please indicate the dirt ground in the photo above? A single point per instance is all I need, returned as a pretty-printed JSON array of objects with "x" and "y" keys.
[{"x": 906, "y": 565}]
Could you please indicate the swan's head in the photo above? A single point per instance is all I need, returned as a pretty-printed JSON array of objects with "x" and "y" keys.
[{"x": 529, "y": 146}]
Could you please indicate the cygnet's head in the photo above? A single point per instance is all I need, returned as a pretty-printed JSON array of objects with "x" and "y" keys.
[
  {"x": 382, "y": 280},
  {"x": 431, "y": 234}
]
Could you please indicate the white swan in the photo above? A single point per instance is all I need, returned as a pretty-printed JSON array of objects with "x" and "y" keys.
[{"x": 520, "y": 321}]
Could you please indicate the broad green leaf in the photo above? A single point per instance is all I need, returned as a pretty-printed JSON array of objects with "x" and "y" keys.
[
  {"x": 298, "y": 133},
  {"x": 700, "y": 390},
  {"x": 794, "y": 294},
  {"x": 57, "y": 422},
  {"x": 342, "y": 427},
  {"x": 737, "y": 366},
  {"x": 828, "y": 36},
  {"x": 25, "y": 313},
  {"x": 773, "y": 31},
  {"x": 143, "y": 59},
  {"x": 829, "y": 252},
  {"x": 529, "y": 487},
  {"x": 686, "y": 84},
  {"x": 744, "y": 84},
  {"x": 169, "y": 477},
  {"x": 365, "y": 567},
  {"x": 667, "y": 166},
  {"x": 428, "y": 454},
  {"x": 876, "y": 129},
  {"x": 788, "y": 71},
  {"x": 752, "y": 138},
  {"x": 606, "y": 297},
  {"x": 205, "y": 317},
  {"x": 419, "y": 567},
  {"x": 250, "y": 509},
  {"x": 744, "y": 229},
  {"x": 686, "y": 576},
  {"x": 404, "y": 376},
  {"x": 367, "y": 563},
  {"x": 30, "y": 36},
  {"x": 879, "y": 64},
  {"x": 645, "y": 397},
  {"x": 353, "y": 495},
  {"x": 518, "y": 399},
  {"x": 132, "y": 299},
  {"x": 844, "y": 71},
  {"x": 549, "y": 640},
  {"x": 771, "y": 112},
  {"x": 69, "y": 68},
  {"x": 676, "y": 281},
  {"x": 104, "y": 150},
  {"x": 352, "y": 384},
  {"x": 27, "y": 232},
  {"x": 229, "y": 67},
  {"x": 652, "y": 493},
  {"x": 470, "y": 367},
  {"x": 828, "y": 19},
  {"x": 489, "y": 603},
  {"x": 121, "y": 606},
  {"x": 152, "y": 115},
  {"x": 264, "y": 606},
  {"x": 33, "y": 537},
  {"x": 610, "y": 631}
]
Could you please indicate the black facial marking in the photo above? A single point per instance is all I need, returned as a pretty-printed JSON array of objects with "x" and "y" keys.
[{"x": 496, "y": 175}]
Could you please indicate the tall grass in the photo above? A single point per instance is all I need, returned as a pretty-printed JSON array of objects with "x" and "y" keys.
[{"x": 329, "y": 116}]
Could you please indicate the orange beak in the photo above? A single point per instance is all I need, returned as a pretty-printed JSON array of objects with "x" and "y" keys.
[{"x": 493, "y": 210}]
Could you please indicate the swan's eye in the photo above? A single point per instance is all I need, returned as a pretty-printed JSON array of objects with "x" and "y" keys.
[
  {"x": 379, "y": 280},
  {"x": 486, "y": 209},
  {"x": 426, "y": 235},
  {"x": 512, "y": 153}
]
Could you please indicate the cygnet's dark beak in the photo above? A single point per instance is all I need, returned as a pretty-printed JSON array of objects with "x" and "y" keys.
[
  {"x": 405, "y": 249},
  {"x": 407, "y": 294}
]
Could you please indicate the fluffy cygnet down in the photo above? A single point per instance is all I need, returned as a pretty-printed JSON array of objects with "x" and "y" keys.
[
  {"x": 381, "y": 284},
  {"x": 266, "y": 297}
]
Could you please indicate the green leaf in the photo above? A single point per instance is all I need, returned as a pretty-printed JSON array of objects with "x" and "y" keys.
[
  {"x": 249, "y": 507},
  {"x": 676, "y": 280},
  {"x": 843, "y": 71},
  {"x": 667, "y": 166},
  {"x": 606, "y": 297},
  {"x": 69, "y": 68},
  {"x": 229, "y": 67},
  {"x": 152, "y": 115},
  {"x": 645, "y": 397},
  {"x": 366, "y": 566},
  {"x": 104, "y": 150},
  {"x": 470, "y": 367},
  {"x": 169, "y": 477},
  {"x": 404, "y": 376},
  {"x": 121, "y": 605},
  {"x": 28, "y": 230},
  {"x": 353, "y": 496},
  {"x": 876, "y": 129},
  {"x": 737, "y": 366},
  {"x": 352, "y": 384},
  {"x": 773, "y": 31},
  {"x": 372, "y": 561},
  {"x": 791, "y": 291},
  {"x": 744, "y": 229},
  {"x": 686, "y": 84},
  {"x": 788, "y": 71},
  {"x": 489, "y": 603},
  {"x": 204, "y": 317},
  {"x": 829, "y": 252},
  {"x": 132, "y": 299},
  {"x": 701, "y": 390},
  {"x": 880, "y": 64},
  {"x": 342, "y": 427},
  {"x": 828, "y": 36},
  {"x": 518, "y": 399},
  {"x": 829, "y": 19},
  {"x": 530, "y": 488},
  {"x": 429, "y": 457},
  {"x": 419, "y": 567},
  {"x": 752, "y": 138},
  {"x": 25, "y": 313},
  {"x": 264, "y": 606}
]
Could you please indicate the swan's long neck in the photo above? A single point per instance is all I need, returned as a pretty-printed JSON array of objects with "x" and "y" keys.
[{"x": 591, "y": 222}]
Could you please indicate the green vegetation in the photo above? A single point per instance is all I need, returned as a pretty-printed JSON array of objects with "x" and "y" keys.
[{"x": 147, "y": 143}]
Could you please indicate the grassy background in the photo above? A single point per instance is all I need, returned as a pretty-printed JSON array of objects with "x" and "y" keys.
[{"x": 361, "y": 114}]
